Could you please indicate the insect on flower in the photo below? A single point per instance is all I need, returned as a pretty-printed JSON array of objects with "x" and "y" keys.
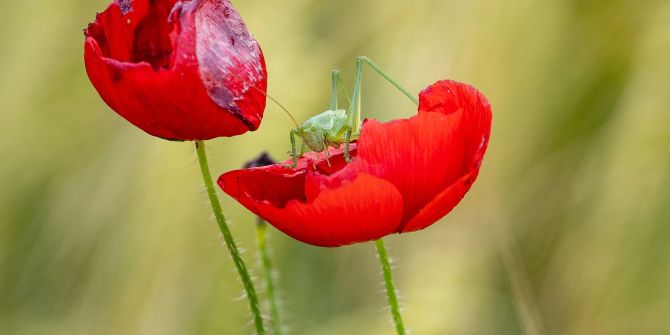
[
  {"x": 377, "y": 194},
  {"x": 335, "y": 127}
]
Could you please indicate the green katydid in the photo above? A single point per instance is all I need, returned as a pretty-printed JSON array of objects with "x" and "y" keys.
[{"x": 335, "y": 127}]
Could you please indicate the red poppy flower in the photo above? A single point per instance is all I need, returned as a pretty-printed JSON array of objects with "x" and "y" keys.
[
  {"x": 182, "y": 70},
  {"x": 406, "y": 174}
]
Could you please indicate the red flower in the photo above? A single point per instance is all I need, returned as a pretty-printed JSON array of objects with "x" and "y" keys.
[
  {"x": 406, "y": 174},
  {"x": 182, "y": 70}
]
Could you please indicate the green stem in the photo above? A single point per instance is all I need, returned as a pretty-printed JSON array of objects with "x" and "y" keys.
[
  {"x": 261, "y": 229},
  {"x": 228, "y": 238},
  {"x": 390, "y": 287}
]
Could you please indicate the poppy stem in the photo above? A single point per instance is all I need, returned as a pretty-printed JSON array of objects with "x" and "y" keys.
[
  {"x": 390, "y": 287},
  {"x": 228, "y": 238},
  {"x": 261, "y": 230}
]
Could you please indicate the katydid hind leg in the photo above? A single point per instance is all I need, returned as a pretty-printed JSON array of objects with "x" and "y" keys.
[
  {"x": 347, "y": 156},
  {"x": 345, "y": 92},
  {"x": 354, "y": 112},
  {"x": 388, "y": 78},
  {"x": 334, "y": 89}
]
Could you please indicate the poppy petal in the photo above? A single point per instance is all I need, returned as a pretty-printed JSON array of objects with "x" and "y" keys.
[
  {"x": 441, "y": 205},
  {"x": 240, "y": 79},
  {"x": 424, "y": 155},
  {"x": 347, "y": 214}
]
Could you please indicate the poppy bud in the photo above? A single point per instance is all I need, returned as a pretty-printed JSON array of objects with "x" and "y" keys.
[{"x": 179, "y": 70}]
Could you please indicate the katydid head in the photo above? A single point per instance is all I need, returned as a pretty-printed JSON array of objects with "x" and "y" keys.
[
  {"x": 326, "y": 120},
  {"x": 322, "y": 130},
  {"x": 313, "y": 138},
  {"x": 311, "y": 132}
]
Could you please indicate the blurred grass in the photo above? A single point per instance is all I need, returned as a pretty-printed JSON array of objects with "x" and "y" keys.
[{"x": 105, "y": 230}]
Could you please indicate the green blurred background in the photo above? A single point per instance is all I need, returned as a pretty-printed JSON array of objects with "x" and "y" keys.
[{"x": 106, "y": 230}]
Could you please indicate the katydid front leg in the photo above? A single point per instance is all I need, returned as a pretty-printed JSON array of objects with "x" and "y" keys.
[
  {"x": 294, "y": 153},
  {"x": 303, "y": 149}
]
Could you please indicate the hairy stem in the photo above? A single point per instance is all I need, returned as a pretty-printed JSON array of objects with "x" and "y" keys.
[
  {"x": 228, "y": 238},
  {"x": 261, "y": 230},
  {"x": 390, "y": 287}
]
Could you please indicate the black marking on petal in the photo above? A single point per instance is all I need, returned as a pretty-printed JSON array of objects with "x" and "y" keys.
[
  {"x": 173, "y": 139},
  {"x": 238, "y": 114},
  {"x": 115, "y": 75},
  {"x": 263, "y": 159},
  {"x": 126, "y": 6}
]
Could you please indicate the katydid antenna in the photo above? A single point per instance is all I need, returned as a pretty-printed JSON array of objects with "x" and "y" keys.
[{"x": 273, "y": 100}]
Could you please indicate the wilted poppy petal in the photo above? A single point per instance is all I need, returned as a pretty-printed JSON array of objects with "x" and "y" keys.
[
  {"x": 230, "y": 61},
  {"x": 146, "y": 60}
]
